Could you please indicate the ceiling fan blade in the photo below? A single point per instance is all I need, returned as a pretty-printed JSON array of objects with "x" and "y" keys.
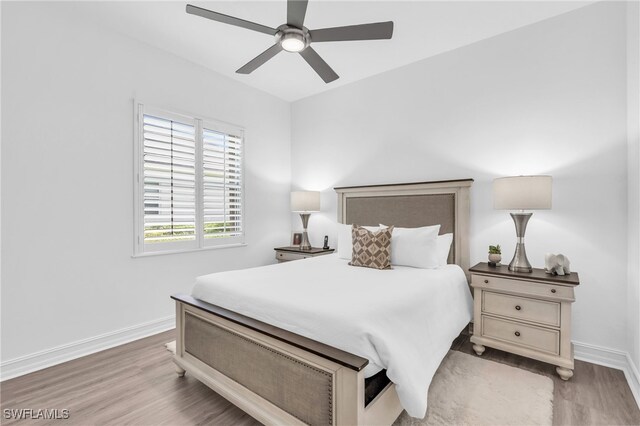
[
  {"x": 215, "y": 16},
  {"x": 296, "y": 9},
  {"x": 319, "y": 65},
  {"x": 377, "y": 31},
  {"x": 259, "y": 60}
]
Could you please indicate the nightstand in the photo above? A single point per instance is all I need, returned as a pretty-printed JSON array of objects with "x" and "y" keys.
[
  {"x": 528, "y": 314},
  {"x": 285, "y": 254}
]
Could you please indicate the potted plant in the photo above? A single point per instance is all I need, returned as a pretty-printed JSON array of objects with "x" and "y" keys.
[{"x": 495, "y": 255}]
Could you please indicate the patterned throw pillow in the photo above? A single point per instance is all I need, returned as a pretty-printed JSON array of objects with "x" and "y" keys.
[{"x": 371, "y": 249}]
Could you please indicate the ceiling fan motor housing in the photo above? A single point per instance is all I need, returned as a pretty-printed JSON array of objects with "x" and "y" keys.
[{"x": 293, "y": 39}]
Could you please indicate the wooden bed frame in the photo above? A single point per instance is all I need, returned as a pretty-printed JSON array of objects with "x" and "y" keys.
[{"x": 279, "y": 377}]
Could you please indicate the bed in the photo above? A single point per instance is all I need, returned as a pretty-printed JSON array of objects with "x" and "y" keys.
[{"x": 254, "y": 336}]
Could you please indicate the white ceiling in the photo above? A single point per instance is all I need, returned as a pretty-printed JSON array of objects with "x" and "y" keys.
[{"x": 421, "y": 29}]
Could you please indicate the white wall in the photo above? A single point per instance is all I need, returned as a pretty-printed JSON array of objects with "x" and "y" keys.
[
  {"x": 633, "y": 129},
  {"x": 545, "y": 99},
  {"x": 67, "y": 186}
]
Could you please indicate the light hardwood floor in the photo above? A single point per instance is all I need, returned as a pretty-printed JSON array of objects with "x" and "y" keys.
[{"x": 136, "y": 384}]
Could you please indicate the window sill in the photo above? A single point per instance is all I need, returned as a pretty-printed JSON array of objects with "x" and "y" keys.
[{"x": 162, "y": 253}]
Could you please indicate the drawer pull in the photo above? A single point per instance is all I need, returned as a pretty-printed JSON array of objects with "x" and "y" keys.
[
  {"x": 553, "y": 290},
  {"x": 517, "y": 333},
  {"x": 486, "y": 281},
  {"x": 518, "y": 307}
]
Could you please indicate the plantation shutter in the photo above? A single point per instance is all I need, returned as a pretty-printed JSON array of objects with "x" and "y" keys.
[
  {"x": 169, "y": 180},
  {"x": 189, "y": 183},
  {"x": 222, "y": 183}
]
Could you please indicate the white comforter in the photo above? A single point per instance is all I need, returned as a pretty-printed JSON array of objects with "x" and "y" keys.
[{"x": 403, "y": 320}]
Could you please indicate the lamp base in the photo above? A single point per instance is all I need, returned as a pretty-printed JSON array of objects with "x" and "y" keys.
[
  {"x": 520, "y": 263},
  {"x": 305, "y": 245}
]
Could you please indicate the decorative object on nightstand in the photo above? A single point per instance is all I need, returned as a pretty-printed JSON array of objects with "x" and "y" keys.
[
  {"x": 556, "y": 264},
  {"x": 285, "y": 254},
  {"x": 521, "y": 193},
  {"x": 528, "y": 314},
  {"x": 305, "y": 203},
  {"x": 495, "y": 255}
]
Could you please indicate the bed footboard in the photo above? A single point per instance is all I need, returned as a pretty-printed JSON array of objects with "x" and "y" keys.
[
  {"x": 275, "y": 376},
  {"x": 301, "y": 389}
]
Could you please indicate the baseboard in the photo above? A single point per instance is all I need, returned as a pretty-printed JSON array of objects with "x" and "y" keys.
[
  {"x": 610, "y": 358},
  {"x": 633, "y": 377},
  {"x": 50, "y": 357}
]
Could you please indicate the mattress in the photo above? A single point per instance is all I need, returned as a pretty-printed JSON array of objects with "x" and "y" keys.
[{"x": 402, "y": 320}]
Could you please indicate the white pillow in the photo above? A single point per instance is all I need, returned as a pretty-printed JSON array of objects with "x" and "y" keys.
[
  {"x": 345, "y": 242},
  {"x": 444, "y": 246},
  {"x": 415, "y": 247}
]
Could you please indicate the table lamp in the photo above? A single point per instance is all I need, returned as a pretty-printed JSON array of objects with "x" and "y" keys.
[
  {"x": 521, "y": 193},
  {"x": 305, "y": 203}
]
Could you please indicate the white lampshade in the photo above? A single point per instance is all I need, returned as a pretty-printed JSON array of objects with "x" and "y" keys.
[
  {"x": 522, "y": 193},
  {"x": 305, "y": 201}
]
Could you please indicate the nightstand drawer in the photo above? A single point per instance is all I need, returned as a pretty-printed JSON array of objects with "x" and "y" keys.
[
  {"x": 533, "y": 288},
  {"x": 537, "y": 338},
  {"x": 284, "y": 256},
  {"x": 521, "y": 308}
]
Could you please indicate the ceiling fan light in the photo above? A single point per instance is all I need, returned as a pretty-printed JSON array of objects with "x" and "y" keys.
[{"x": 293, "y": 42}]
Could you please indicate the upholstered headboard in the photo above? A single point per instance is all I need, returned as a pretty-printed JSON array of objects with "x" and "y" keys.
[{"x": 412, "y": 205}]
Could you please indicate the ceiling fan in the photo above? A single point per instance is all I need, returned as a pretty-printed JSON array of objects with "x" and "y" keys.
[{"x": 295, "y": 37}]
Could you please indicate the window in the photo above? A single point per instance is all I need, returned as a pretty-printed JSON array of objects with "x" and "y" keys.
[{"x": 188, "y": 183}]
